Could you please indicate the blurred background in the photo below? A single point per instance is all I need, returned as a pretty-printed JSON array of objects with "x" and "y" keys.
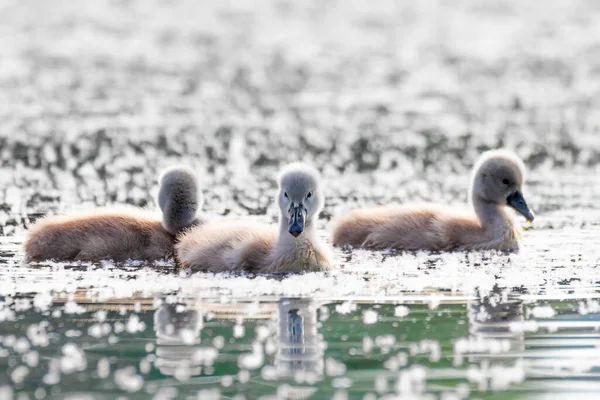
[{"x": 392, "y": 101}]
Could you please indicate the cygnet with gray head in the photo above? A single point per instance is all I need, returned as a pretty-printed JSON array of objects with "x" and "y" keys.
[
  {"x": 496, "y": 186},
  {"x": 293, "y": 246}
]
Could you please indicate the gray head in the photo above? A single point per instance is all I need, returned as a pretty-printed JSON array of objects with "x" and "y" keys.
[
  {"x": 179, "y": 198},
  {"x": 498, "y": 177},
  {"x": 300, "y": 196}
]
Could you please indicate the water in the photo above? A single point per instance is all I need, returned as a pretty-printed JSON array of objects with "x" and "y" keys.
[
  {"x": 451, "y": 326},
  {"x": 393, "y": 103}
]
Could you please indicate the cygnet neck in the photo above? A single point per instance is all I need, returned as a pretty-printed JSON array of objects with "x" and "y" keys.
[
  {"x": 286, "y": 239},
  {"x": 492, "y": 216}
]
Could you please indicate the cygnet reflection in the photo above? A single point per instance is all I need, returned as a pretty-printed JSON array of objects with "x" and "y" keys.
[
  {"x": 494, "y": 349},
  {"x": 300, "y": 347},
  {"x": 492, "y": 319},
  {"x": 177, "y": 336}
]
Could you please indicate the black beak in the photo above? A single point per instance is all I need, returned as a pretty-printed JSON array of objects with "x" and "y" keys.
[
  {"x": 517, "y": 202},
  {"x": 296, "y": 223}
]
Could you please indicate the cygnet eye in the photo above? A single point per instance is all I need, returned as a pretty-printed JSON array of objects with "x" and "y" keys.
[
  {"x": 285, "y": 194},
  {"x": 505, "y": 181},
  {"x": 309, "y": 195}
]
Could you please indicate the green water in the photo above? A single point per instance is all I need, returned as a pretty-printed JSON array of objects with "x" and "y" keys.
[{"x": 300, "y": 348}]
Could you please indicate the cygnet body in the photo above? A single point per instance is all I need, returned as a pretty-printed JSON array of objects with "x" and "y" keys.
[
  {"x": 496, "y": 185},
  {"x": 292, "y": 247},
  {"x": 120, "y": 233}
]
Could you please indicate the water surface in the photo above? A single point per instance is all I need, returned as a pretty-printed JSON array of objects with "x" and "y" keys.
[{"x": 393, "y": 102}]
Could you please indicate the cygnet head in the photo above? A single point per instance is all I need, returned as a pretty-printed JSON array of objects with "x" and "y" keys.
[
  {"x": 498, "y": 177},
  {"x": 179, "y": 198},
  {"x": 300, "y": 196}
]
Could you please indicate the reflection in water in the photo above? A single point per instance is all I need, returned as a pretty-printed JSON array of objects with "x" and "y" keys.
[
  {"x": 491, "y": 319},
  {"x": 300, "y": 349},
  {"x": 511, "y": 342},
  {"x": 495, "y": 349},
  {"x": 277, "y": 348},
  {"x": 176, "y": 330}
]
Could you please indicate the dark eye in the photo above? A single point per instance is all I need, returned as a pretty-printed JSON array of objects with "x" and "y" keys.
[
  {"x": 505, "y": 181},
  {"x": 285, "y": 194},
  {"x": 309, "y": 195}
]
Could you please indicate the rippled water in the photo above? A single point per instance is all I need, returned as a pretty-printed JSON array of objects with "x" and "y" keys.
[
  {"x": 393, "y": 103},
  {"x": 507, "y": 344}
]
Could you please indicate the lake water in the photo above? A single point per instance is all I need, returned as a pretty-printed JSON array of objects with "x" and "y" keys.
[
  {"x": 393, "y": 103},
  {"x": 450, "y": 326}
]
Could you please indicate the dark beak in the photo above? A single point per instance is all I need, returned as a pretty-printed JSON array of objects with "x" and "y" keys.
[
  {"x": 296, "y": 224},
  {"x": 517, "y": 202}
]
